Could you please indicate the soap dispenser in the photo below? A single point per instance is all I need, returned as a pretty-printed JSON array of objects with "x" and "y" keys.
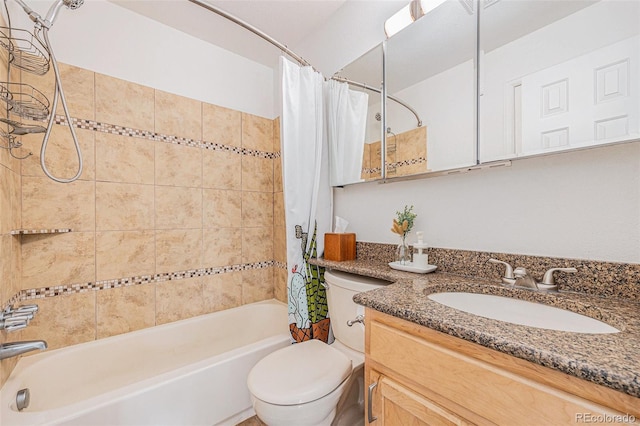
[{"x": 420, "y": 259}]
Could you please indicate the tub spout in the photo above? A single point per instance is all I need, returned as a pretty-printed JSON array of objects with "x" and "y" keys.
[{"x": 8, "y": 350}]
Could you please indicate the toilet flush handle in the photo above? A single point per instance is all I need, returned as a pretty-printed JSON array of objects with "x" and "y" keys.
[{"x": 359, "y": 318}]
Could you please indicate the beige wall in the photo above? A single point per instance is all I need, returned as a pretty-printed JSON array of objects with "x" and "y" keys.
[{"x": 173, "y": 219}]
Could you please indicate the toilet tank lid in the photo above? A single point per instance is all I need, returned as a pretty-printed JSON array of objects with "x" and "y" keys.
[{"x": 299, "y": 373}]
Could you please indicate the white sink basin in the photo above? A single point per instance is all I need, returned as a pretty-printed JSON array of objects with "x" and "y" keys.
[{"x": 522, "y": 312}]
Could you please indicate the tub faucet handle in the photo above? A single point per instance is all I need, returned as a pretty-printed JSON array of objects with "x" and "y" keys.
[
  {"x": 30, "y": 309},
  {"x": 14, "y": 323}
]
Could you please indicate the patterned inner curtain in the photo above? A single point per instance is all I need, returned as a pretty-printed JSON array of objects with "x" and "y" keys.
[{"x": 307, "y": 198}]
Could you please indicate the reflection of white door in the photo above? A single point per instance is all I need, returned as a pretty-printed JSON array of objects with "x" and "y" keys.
[{"x": 589, "y": 100}]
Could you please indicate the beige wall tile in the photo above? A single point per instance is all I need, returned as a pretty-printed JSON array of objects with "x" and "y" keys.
[
  {"x": 257, "y": 174},
  {"x": 78, "y": 86},
  {"x": 221, "y": 208},
  {"x": 279, "y": 244},
  {"x": 16, "y": 266},
  {"x": 222, "y": 291},
  {"x": 15, "y": 194},
  {"x": 221, "y": 169},
  {"x": 6, "y": 216},
  {"x": 178, "y": 116},
  {"x": 280, "y": 284},
  {"x": 123, "y": 206},
  {"x": 257, "y": 209},
  {"x": 6, "y": 285},
  {"x": 79, "y": 90},
  {"x": 276, "y": 135},
  {"x": 257, "y": 285},
  {"x": 124, "y": 159},
  {"x": 48, "y": 204},
  {"x": 257, "y": 244},
  {"x": 221, "y": 125},
  {"x": 178, "y": 250},
  {"x": 277, "y": 175},
  {"x": 63, "y": 320},
  {"x": 412, "y": 144},
  {"x": 124, "y": 103},
  {"x": 222, "y": 246},
  {"x": 49, "y": 260},
  {"x": 178, "y": 165},
  {"x": 122, "y": 254},
  {"x": 178, "y": 207},
  {"x": 278, "y": 209},
  {"x": 179, "y": 299},
  {"x": 10, "y": 267},
  {"x": 257, "y": 133},
  {"x": 61, "y": 157},
  {"x": 124, "y": 309}
]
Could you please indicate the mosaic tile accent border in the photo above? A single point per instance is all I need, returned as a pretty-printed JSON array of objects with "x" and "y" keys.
[
  {"x": 42, "y": 292},
  {"x": 279, "y": 265},
  {"x": 39, "y": 231},
  {"x": 145, "y": 134}
]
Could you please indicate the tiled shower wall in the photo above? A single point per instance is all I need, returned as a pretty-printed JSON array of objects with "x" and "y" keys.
[
  {"x": 10, "y": 214},
  {"x": 178, "y": 212}
]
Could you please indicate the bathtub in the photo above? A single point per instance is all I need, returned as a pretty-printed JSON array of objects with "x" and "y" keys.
[{"x": 190, "y": 372}]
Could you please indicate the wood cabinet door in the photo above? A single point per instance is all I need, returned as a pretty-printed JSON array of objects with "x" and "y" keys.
[{"x": 396, "y": 405}]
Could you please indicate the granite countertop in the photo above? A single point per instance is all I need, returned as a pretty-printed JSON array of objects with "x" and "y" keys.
[{"x": 611, "y": 360}]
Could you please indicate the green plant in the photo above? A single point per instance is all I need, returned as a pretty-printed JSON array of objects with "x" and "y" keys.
[{"x": 403, "y": 222}]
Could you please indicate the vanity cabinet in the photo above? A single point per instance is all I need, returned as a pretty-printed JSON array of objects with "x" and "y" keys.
[{"x": 420, "y": 376}]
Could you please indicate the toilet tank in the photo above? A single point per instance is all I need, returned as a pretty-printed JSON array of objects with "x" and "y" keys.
[{"x": 341, "y": 287}]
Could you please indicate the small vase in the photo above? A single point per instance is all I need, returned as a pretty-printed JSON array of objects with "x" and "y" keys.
[{"x": 402, "y": 252}]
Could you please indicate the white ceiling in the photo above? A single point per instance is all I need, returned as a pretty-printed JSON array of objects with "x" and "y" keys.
[{"x": 288, "y": 21}]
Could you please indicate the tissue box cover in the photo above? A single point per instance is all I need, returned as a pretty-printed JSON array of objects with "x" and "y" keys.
[{"x": 339, "y": 247}]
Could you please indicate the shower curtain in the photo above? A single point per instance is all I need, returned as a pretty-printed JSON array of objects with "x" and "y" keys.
[
  {"x": 346, "y": 117},
  {"x": 307, "y": 197}
]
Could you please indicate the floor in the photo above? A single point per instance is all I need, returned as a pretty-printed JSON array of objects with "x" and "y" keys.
[{"x": 253, "y": 421}]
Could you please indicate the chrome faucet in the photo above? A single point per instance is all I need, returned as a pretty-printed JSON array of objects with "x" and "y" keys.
[
  {"x": 520, "y": 278},
  {"x": 524, "y": 280},
  {"x": 8, "y": 350}
]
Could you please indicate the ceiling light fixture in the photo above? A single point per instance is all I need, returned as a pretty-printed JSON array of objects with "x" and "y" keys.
[{"x": 409, "y": 14}]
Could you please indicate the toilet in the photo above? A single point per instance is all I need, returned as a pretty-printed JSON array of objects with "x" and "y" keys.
[{"x": 312, "y": 383}]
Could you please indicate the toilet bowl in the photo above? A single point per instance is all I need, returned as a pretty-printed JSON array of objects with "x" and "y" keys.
[{"x": 312, "y": 383}]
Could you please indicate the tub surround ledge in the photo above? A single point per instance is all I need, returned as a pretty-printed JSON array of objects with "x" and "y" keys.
[{"x": 610, "y": 360}]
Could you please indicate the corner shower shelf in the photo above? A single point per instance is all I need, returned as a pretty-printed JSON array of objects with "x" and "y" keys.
[{"x": 39, "y": 231}]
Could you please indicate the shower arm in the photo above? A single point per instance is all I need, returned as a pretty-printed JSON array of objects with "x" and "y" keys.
[{"x": 290, "y": 52}]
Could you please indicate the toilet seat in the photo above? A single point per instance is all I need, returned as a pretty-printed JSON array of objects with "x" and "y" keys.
[{"x": 299, "y": 374}]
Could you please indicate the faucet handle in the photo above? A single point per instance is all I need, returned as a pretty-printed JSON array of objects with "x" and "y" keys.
[
  {"x": 14, "y": 323},
  {"x": 548, "y": 276},
  {"x": 27, "y": 309},
  {"x": 508, "y": 273},
  {"x": 508, "y": 278}
]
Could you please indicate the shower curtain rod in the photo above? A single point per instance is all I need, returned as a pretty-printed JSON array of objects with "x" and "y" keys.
[{"x": 292, "y": 54}]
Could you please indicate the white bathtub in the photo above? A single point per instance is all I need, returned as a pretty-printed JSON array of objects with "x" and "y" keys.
[{"x": 190, "y": 372}]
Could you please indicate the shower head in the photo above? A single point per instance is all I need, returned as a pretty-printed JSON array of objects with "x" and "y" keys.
[
  {"x": 73, "y": 4},
  {"x": 53, "y": 10},
  {"x": 47, "y": 22}
]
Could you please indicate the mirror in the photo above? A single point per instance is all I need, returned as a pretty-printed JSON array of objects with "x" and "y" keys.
[
  {"x": 558, "y": 75},
  {"x": 354, "y": 121},
  {"x": 431, "y": 67}
]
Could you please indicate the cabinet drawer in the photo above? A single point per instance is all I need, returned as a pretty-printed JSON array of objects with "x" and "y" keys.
[{"x": 495, "y": 394}]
